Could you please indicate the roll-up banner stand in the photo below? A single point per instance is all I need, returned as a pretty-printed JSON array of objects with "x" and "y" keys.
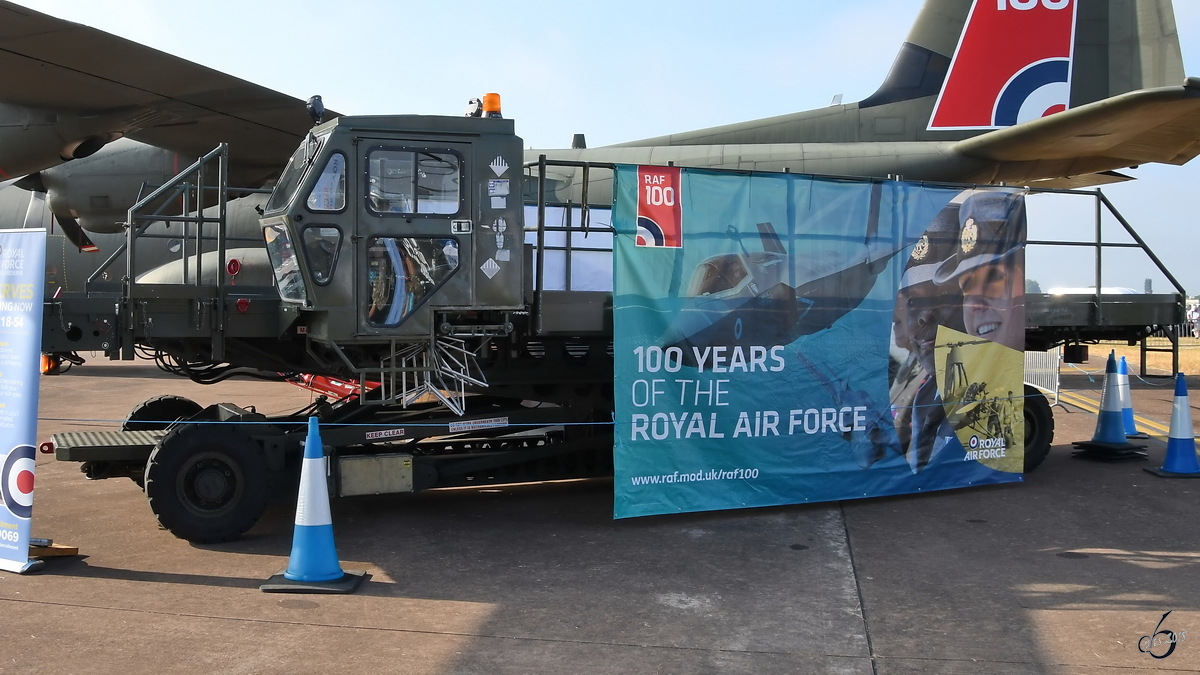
[{"x": 22, "y": 279}]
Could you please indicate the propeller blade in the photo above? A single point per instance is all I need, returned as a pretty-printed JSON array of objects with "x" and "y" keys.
[
  {"x": 35, "y": 213},
  {"x": 75, "y": 234},
  {"x": 33, "y": 182}
]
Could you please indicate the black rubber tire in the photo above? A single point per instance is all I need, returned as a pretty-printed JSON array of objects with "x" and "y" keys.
[
  {"x": 159, "y": 412},
  {"x": 207, "y": 484},
  {"x": 1039, "y": 428},
  {"x": 155, "y": 414}
]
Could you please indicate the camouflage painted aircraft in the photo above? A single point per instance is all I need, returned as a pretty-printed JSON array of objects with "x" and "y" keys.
[{"x": 1093, "y": 87}]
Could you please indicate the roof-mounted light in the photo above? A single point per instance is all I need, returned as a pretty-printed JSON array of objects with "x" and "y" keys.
[{"x": 491, "y": 105}]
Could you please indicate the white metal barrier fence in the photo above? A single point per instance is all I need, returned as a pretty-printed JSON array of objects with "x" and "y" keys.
[{"x": 1041, "y": 371}]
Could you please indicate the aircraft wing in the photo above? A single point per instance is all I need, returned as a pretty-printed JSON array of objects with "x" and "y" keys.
[
  {"x": 1078, "y": 182},
  {"x": 56, "y": 65},
  {"x": 1149, "y": 125}
]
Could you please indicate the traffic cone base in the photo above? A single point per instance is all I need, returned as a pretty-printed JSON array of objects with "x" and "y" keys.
[
  {"x": 1163, "y": 473},
  {"x": 1108, "y": 452},
  {"x": 1180, "y": 461},
  {"x": 348, "y": 583},
  {"x": 1109, "y": 444},
  {"x": 313, "y": 565}
]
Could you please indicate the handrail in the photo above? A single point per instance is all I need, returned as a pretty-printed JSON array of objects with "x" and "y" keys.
[
  {"x": 181, "y": 189},
  {"x": 137, "y": 222},
  {"x": 1097, "y": 194},
  {"x": 1140, "y": 242},
  {"x": 585, "y": 222}
]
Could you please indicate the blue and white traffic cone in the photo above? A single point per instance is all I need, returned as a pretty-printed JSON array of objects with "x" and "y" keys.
[
  {"x": 1131, "y": 430},
  {"x": 1181, "y": 459},
  {"x": 1109, "y": 442},
  {"x": 313, "y": 565}
]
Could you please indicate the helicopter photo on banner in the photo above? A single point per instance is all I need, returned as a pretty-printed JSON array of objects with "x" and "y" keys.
[{"x": 814, "y": 339}]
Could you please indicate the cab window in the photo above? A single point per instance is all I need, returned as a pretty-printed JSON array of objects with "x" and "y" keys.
[
  {"x": 402, "y": 272},
  {"x": 329, "y": 192},
  {"x": 413, "y": 181},
  {"x": 284, "y": 263},
  {"x": 296, "y": 167},
  {"x": 321, "y": 245}
]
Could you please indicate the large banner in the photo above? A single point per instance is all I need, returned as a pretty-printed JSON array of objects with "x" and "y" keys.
[
  {"x": 784, "y": 339},
  {"x": 22, "y": 269}
]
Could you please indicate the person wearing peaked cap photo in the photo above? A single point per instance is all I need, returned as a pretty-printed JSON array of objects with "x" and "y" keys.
[
  {"x": 988, "y": 267},
  {"x": 921, "y": 307}
]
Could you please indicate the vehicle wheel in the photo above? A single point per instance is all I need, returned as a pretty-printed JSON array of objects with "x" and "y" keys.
[
  {"x": 206, "y": 484},
  {"x": 155, "y": 414},
  {"x": 160, "y": 412},
  {"x": 1039, "y": 428}
]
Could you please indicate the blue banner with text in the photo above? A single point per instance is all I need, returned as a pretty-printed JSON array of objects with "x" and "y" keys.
[
  {"x": 22, "y": 271},
  {"x": 784, "y": 339}
]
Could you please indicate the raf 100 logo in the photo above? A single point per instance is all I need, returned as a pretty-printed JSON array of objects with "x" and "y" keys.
[{"x": 1030, "y": 4}]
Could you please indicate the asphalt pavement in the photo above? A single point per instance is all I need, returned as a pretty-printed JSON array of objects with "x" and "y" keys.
[{"x": 1061, "y": 574}]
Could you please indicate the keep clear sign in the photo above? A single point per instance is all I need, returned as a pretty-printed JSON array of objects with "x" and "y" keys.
[{"x": 22, "y": 269}]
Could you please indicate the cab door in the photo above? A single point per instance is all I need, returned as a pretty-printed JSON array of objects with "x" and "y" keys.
[{"x": 412, "y": 239}]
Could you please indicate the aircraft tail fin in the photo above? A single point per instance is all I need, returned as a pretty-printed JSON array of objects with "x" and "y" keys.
[
  {"x": 924, "y": 58},
  {"x": 970, "y": 66},
  {"x": 770, "y": 239},
  {"x": 1018, "y": 60},
  {"x": 1123, "y": 46}
]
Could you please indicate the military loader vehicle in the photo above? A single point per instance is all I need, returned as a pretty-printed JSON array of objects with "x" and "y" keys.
[{"x": 394, "y": 259}]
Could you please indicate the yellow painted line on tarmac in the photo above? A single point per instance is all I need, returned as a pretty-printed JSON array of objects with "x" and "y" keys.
[
  {"x": 1156, "y": 429},
  {"x": 1079, "y": 401}
]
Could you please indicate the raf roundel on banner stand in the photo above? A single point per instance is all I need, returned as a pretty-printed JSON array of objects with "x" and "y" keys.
[
  {"x": 17, "y": 481},
  {"x": 22, "y": 280}
]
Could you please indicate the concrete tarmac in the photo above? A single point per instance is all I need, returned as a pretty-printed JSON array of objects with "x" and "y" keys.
[{"x": 1061, "y": 574}]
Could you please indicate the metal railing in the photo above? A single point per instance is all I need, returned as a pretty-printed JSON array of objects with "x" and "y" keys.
[
  {"x": 188, "y": 188},
  {"x": 584, "y": 225},
  {"x": 1042, "y": 371},
  {"x": 1102, "y": 203}
]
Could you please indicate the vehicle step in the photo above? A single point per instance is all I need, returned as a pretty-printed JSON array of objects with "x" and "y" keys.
[{"x": 105, "y": 446}]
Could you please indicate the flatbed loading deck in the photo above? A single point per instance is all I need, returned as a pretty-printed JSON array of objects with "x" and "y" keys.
[{"x": 1054, "y": 319}]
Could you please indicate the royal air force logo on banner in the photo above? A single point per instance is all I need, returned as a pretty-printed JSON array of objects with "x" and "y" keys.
[
  {"x": 660, "y": 210},
  {"x": 17, "y": 481},
  {"x": 1012, "y": 65}
]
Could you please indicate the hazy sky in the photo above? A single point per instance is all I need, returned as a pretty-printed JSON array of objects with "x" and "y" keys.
[{"x": 620, "y": 71}]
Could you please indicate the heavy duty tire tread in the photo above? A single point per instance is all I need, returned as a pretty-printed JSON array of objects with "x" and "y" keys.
[
  {"x": 157, "y": 413},
  {"x": 1039, "y": 428},
  {"x": 170, "y": 461}
]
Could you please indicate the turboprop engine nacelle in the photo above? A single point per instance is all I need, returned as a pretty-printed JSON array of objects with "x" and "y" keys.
[{"x": 98, "y": 190}]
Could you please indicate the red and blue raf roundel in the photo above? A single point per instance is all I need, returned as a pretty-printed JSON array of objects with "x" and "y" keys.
[
  {"x": 660, "y": 209},
  {"x": 1012, "y": 65},
  {"x": 16, "y": 481}
]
